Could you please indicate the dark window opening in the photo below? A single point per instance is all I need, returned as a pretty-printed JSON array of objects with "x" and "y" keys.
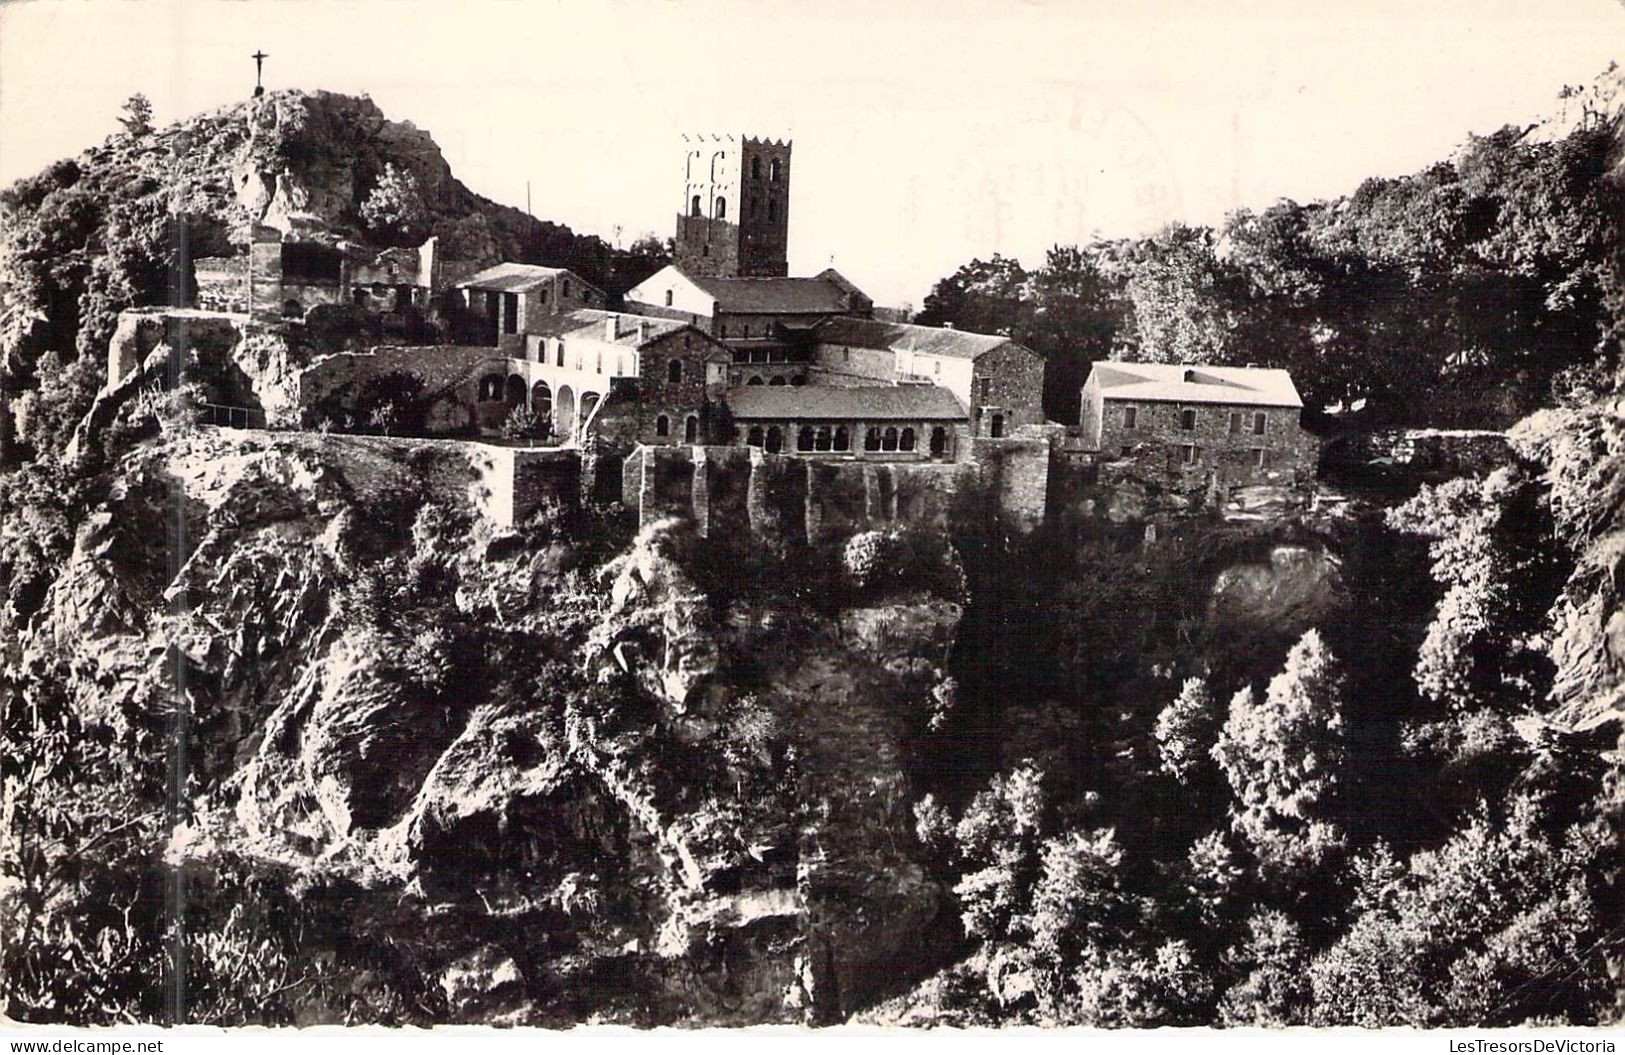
[
  {"x": 674, "y": 371},
  {"x": 755, "y": 167},
  {"x": 694, "y": 206},
  {"x": 778, "y": 380},
  {"x": 871, "y": 440},
  {"x": 804, "y": 438},
  {"x": 668, "y": 298},
  {"x": 1258, "y": 457},
  {"x": 888, "y": 441},
  {"x": 755, "y": 436},
  {"x": 775, "y": 439},
  {"x": 905, "y": 442},
  {"x": 939, "y": 441},
  {"x": 997, "y": 428},
  {"x": 823, "y": 439},
  {"x": 691, "y": 429},
  {"x": 1189, "y": 454},
  {"x": 1258, "y": 424},
  {"x": 1131, "y": 417},
  {"x": 1235, "y": 422},
  {"x": 772, "y": 208},
  {"x": 755, "y": 379},
  {"x": 843, "y": 438},
  {"x": 1187, "y": 420},
  {"x": 720, "y": 210},
  {"x": 292, "y": 309},
  {"x": 662, "y": 426}
]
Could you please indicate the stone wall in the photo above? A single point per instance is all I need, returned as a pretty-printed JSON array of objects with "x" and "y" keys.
[
  {"x": 517, "y": 480},
  {"x": 450, "y": 374},
  {"x": 795, "y": 501},
  {"x": 1418, "y": 453},
  {"x": 1015, "y": 388}
]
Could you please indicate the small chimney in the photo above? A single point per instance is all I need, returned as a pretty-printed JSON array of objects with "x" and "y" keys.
[{"x": 610, "y": 322}]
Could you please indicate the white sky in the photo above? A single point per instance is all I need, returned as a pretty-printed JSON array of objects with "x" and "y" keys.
[{"x": 926, "y": 131}]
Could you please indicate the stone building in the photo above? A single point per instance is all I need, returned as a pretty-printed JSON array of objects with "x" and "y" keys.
[
  {"x": 734, "y": 216},
  {"x": 516, "y": 299},
  {"x": 625, "y": 379},
  {"x": 279, "y": 279},
  {"x": 760, "y": 314},
  {"x": 1223, "y": 424},
  {"x": 999, "y": 382},
  {"x": 889, "y": 423}
]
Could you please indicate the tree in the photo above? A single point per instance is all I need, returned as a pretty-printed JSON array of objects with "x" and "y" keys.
[
  {"x": 1283, "y": 755},
  {"x": 1493, "y": 551},
  {"x": 137, "y": 115},
  {"x": 983, "y": 296},
  {"x": 394, "y": 210},
  {"x": 1186, "y": 731},
  {"x": 997, "y": 838}
]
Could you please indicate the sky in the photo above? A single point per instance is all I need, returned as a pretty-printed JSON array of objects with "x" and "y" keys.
[{"x": 927, "y": 132}]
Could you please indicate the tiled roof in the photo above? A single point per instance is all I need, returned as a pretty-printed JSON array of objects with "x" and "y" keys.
[
  {"x": 893, "y": 336},
  {"x": 1176, "y": 383},
  {"x": 786, "y": 296},
  {"x": 513, "y": 278},
  {"x": 589, "y": 322},
  {"x": 820, "y": 403}
]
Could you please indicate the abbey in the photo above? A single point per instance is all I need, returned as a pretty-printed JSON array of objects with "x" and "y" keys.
[{"x": 724, "y": 350}]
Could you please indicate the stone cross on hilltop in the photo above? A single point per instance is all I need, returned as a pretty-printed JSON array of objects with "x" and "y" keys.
[{"x": 259, "y": 58}]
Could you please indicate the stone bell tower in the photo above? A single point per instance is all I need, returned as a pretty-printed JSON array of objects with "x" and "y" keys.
[{"x": 734, "y": 219}]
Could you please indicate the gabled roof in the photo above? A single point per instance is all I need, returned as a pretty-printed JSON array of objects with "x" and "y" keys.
[
  {"x": 517, "y": 278},
  {"x": 1177, "y": 383},
  {"x": 826, "y": 293},
  {"x": 589, "y": 323},
  {"x": 820, "y": 403},
  {"x": 903, "y": 336}
]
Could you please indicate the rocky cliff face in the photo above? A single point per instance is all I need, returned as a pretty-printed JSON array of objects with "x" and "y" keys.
[{"x": 527, "y": 761}]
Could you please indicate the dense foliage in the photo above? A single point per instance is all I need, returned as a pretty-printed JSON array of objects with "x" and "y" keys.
[{"x": 1482, "y": 279}]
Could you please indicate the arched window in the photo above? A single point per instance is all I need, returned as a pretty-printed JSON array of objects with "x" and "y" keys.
[
  {"x": 541, "y": 400},
  {"x": 674, "y": 371},
  {"x": 871, "y": 440},
  {"x": 843, "y": 438},
  {"x": 888, "y": 440},
  {"x": 292, "y": 309},
  {"x": 754, "y": 438},
  {"x": 773, "y": 170},
  {"x": 804, "y": 438},
  {"x": 691, "y": 429},
  {"x": 997, "y": 428},
  {"x": 559, "y": 351},
  {"x": 939, "y": 441},
  {"x": 490, "y": 388},
  {"x": 515, "y": 390},
  {"x": 662, "y": 426},
  {"x": 668, "y": 298},
  {"x": 775, "y": 439},
  {"x": 755, "y": 379},
  {"x": 755, "y": 167},
  {"x": 720, "y": 209},
  {"x": 777, "y": 380},
  {"x": 694, "y": 206},
  {"x": 821, "y": 440},
  {"x": 905, "y": 442}
]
